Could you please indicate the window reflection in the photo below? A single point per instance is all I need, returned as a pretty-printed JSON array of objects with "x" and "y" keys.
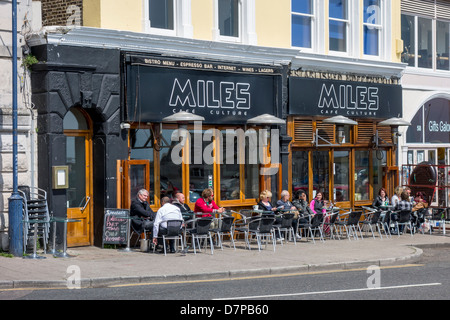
[
  {"x": 171, "y": 175},
  {"x": 362, "y": 175}
]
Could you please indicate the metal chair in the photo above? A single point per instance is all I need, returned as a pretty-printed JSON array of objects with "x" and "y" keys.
[
  {"x": 315, "y": 224},
  {"x": 201, "y": 231},
  {"x": 286, "y": 226},
  {"x": 373, "y": 219},
  {"x": 261, "y": 227},
  {"x": 36, "y": 216},
  {"x": 351, "y": 223},
  {"x": 404, "y": 219},
  {"x": 174, "y": 232},
  {"x": 331, "y": 223},
  {"x": 226, "y": 227}
]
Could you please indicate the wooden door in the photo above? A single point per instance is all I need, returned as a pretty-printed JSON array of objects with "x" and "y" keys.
[{"x": 79, "y": 193}]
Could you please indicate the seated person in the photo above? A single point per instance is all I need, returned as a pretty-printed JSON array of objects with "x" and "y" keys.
[
  {"x": 284, "y": 203},
  {"x": 264, "y": 204},
  {"x": 419, "y": 209},
  {"x": 301, "y": 203},
  {"x": 381, "y": 200},
  {"x": 179, "y": 200},
  {"x": 140, "y": 208},
  {"x": 206, "y": 204},
  {"x": 167, "y": 212},
  {"x": 403, "y": 205}
]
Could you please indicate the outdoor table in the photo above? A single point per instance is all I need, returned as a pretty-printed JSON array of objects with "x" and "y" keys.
[
  {"x": 65, "y": 221},
  {"x": 35, "y": 222}
]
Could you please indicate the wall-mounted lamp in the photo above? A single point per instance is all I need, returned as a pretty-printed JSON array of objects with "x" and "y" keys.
[
  {"x": 183, "y": 118},
  {"x": 266, "y": 120},
  {"x": 394, "y": 123},
  {"x": 341, "y": 122},
  {"x": 125, "y": 125}
]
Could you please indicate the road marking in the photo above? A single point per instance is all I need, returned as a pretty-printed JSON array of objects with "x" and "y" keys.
[
  {"x": 224, "y": 279},
  {"x": 261, "y": 276},
  {"x": 330, "y": 291}
]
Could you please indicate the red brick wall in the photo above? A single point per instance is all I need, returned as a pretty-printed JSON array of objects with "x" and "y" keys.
[{"x": 55, "y": 13}]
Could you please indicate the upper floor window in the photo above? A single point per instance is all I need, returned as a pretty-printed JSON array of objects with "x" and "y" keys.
[
  {"x": 372, "y": 27},
  {"x": 229, "y": 16},
  {"x": 302, "y": 23},
  {"x": 168, "y": 17},
  {"x": 162, "y": 14},
  {"x": 425, "y": 45},
  {"x": 442, "y": 45},
  {"x": 338, "y": 25}
]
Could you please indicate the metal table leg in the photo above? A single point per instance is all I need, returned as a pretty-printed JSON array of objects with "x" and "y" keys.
[
  {"x": 34, "y": 255},
  {"x": 64, "y": 253}
]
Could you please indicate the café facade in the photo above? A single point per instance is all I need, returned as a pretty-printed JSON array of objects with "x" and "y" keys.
[
  {"x": 341, "y": 144},
  {"x": 103, "y": 99},
  {"x": 106, "y": 101}
]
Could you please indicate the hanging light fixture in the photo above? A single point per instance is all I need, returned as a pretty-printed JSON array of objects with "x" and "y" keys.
[
  {"x": 394, "y": 123},
  {"x": 266, "y": 119},
  {"x": 340, "y": 122}
]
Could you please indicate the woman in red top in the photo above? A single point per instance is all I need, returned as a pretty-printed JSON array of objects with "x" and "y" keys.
[{"x": 206, "y": 204}]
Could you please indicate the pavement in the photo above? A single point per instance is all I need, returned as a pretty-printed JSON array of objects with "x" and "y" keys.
[{"x": 98, "y": 267}]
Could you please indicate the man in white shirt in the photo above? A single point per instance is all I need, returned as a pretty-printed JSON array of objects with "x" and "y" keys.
[{"x": 167, "y": 212}]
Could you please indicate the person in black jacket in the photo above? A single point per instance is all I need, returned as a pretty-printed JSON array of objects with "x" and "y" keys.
[{"x": 140, "y": 208}]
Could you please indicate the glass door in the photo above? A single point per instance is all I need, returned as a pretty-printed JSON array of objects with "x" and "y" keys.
[
  {"x": 321, "y": 178},
  {"x": 341, "y": 172}
]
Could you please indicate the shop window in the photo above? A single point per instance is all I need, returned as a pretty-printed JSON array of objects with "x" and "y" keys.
[
  {"x": 341, "y": 175},
  {"x": 321, "y": 173},
  {"x": 362, "y": 170},
  {"x": 171, "y": 177},
  {"x": 300, "y": 171},
  {"x": 379, "y": 160},
  {"x": 338, "y": 25},
  {"x": 302, "y": 23},
  {"x": 372, "y": 27},
  {"x": 141, "y": 141},
  {"x": 201, "y": 163},
  {"x": 239, "y": 165}
]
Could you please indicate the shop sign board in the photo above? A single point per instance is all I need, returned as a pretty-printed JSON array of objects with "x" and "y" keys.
[
  {"x": 328, "y": 98},
  {"x": 225, "y": 93}
]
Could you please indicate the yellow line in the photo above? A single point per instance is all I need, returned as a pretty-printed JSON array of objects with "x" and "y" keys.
[{"x": 223, "y": 279}]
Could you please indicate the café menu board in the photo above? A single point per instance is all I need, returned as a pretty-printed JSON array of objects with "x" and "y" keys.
[{"x": 115, "y": 226}]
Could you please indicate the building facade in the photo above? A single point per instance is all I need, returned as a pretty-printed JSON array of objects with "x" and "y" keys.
[
  {"x": 426, "y": 90},
  {"x": 26, "y": 136},
  {"x": 105, "y": 86}
]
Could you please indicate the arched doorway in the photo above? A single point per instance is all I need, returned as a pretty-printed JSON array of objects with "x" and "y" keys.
[{"x": 78, "y": 132}]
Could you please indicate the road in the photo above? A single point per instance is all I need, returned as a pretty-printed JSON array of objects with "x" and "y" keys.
[{"x": 426, "y": 279}]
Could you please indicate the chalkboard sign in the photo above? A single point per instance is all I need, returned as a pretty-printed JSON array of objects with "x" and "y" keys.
[{"x": 116, "y": 226}]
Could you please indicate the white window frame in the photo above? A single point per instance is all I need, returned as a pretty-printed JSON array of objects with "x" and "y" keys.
[
  {"x": 247, "y": 24},
  {"x": 314, "y": 27},
  {"x": 348, "y": 30},
  {"x": 182, "y": 20},
  {"x": 381, "y": 32}
]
